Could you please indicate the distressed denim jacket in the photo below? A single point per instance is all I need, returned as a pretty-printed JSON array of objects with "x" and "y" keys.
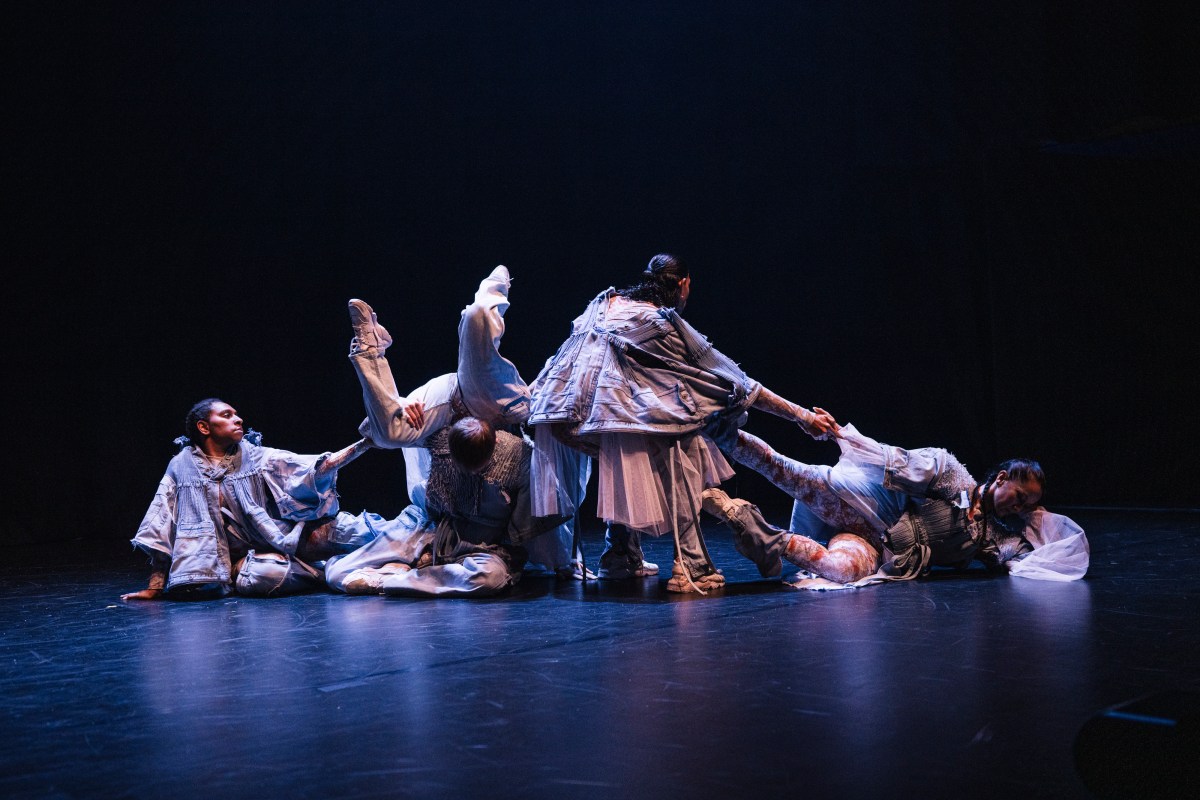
[
  {"x": 260, "y": 494},
  {"x": 652, "y": 373}
]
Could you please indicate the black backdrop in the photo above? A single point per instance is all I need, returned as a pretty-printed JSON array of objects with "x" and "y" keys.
[{"x": 975, "y": 228}]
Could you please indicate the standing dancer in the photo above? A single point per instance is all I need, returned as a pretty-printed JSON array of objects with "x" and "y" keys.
[{"x": 645, "y": 393}]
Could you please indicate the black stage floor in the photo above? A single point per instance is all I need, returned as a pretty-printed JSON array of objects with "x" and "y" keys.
[{"x": 956, "y": 686}]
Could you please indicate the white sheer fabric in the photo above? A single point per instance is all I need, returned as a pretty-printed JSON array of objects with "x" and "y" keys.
[
  {"x": 1061, "y": 551},
  {"x": 637, "y": 473}
]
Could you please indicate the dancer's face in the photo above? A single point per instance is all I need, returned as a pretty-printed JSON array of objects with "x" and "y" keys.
[
  {"x": 223, "y": 426},
  {"x": 1011, "y": 496}
]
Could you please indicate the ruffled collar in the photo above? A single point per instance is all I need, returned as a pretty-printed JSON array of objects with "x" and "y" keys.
[{"x": 216, "y": 470}]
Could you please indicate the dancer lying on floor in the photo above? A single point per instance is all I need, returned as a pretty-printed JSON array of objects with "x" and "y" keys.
[
  {"x": 891, "y": 514},
  {"x": 469, "y": 529}
]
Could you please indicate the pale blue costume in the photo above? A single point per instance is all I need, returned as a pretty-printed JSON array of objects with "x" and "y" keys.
[
  {"x": 237, "y": 525},
  {"x": 472, "y": 551},
  {"x": 642, "y": 390},
  {"x": 467, "y": 539}
]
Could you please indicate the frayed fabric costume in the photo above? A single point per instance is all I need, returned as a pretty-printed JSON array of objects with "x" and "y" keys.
[
  {"x": 466, "y": 541},
  {"x": 238, "y": 525},
  {"x": 462, "y": 534},
  {"x": 643, "y": 391},
  {"x": 890, "y": 514}
]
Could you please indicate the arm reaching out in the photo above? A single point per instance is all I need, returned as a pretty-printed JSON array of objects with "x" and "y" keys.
[
  {"x": 817, "y": 423},
  {"x": 343, "y": 457}
]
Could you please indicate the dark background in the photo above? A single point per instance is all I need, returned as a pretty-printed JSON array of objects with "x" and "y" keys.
[{"x": 950, "y": 225}]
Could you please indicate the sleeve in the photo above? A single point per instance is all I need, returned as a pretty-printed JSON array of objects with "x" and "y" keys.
[
  {"x": 680, "y": 354},
  {"x": 951, "y": 478},
  {"x": 1061, "y": 550},
  {"x": 930, "y": 472},
  {"x": 695, "y": 348},
  {"x": 299, "y": 489},
  {"x": 156, "y": 532}
]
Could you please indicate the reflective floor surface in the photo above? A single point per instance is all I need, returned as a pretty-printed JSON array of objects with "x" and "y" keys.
[{"x": 954, "y": 686}]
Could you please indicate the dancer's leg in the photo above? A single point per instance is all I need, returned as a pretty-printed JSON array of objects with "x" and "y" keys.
[
  {"x": 807, "y": 483},
  {"x": 753, "y": 536},
  {"x": 274, "y": 575},
  {"x": 491, "y": 387},
  {"x": 386, "y": 425},
  {"x": 693, "y": 569},
  {"x": 478, "y": 575},
  {"x": 848, "y": 557},
  {"x": 623, "y": 556},
  {"x": 393, "y": 544}
]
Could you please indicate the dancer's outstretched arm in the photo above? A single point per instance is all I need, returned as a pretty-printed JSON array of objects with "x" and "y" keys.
[
  {"x": 817, "y": 423},
  {"x": 341, "y": 458}
]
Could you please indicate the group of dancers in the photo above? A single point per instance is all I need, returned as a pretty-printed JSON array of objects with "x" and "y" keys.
[{"x": 497, "y": 469}]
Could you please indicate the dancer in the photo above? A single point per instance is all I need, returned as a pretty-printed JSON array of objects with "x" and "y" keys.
[
  {"x": 467, "y": 539},
  {"x": 641, "y": 390},
  {"x": 233, "y": 516},
  {"x": 471, "y": 512},
  {"x": 486, "y": 385},
  {"x": 892, "y": 514}
]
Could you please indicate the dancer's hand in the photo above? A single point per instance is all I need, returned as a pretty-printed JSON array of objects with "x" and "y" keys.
[
  {"x": 822, "y": 425},
  {"x": 144, "y": 594},
  {"x": 414, "y": 415}
]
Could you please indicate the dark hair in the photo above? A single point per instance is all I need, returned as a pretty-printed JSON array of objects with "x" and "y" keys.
[
  {"x": 660, "y": 281},
  {"x": 472, "y": 442},
  {"x": 199, "y": 413},
  {"x": 1018, "y": 469}
]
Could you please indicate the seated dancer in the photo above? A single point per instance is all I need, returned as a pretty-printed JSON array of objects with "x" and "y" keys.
[
  {"x": 891, "y": 514},
  {"x": 645, "y": 393},
  {"x": 469, "y": 528},
  {"x": 232, "y": 515}
]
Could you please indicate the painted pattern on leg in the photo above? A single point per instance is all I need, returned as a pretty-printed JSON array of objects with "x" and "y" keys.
[
  {"x": 804, "y": 482},
  {"x": 847, "y": 558}
]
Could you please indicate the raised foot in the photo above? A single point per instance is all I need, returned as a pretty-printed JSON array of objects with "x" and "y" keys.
[{"x": 369, "y": 335}]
